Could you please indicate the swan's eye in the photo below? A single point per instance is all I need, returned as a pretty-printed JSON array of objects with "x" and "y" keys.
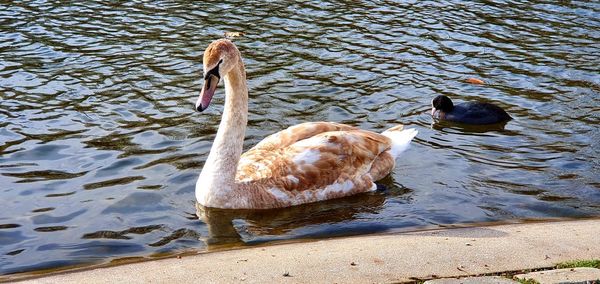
[{"x": 214, "y": 71}]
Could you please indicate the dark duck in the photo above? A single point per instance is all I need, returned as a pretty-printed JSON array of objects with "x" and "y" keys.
[{"x": 469, "y": 112}]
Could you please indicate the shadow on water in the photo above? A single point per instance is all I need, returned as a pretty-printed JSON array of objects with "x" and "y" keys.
[
  {"x": 243, "y": 227},
  {"x": 469, "y": 128}
]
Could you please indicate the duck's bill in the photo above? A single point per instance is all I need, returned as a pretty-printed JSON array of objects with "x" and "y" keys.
[
  {"x": 433, "y": 112},
  {"x": 208, "y": 90}
]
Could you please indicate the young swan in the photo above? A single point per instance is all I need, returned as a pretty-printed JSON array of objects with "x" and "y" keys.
[
  {"x": 469, "y": 113},
  {"x": 305, "y": 163}
]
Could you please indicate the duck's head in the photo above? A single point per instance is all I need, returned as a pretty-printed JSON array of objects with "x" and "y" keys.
[
  {"x": 219, "y": 58},
  {"x": 441, "y": 105}
]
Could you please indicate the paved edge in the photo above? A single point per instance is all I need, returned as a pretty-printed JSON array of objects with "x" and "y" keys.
[
  {"x": 399, "y": 257},
  {"x": 473, "y": 280},
  {"x": 566, "y": 275}
]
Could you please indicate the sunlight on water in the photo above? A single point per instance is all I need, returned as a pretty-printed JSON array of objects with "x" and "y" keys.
[{"x": 100, "y": 147}]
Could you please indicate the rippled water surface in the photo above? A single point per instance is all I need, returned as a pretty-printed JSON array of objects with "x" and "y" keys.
[{"x": 100, "y": 148}]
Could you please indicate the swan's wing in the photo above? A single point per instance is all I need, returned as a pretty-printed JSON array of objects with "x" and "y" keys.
[
  {"x": 298, "y": 132},
  {"x": 324, "y": 166}
]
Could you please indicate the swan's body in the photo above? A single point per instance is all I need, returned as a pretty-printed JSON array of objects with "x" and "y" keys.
[{"x": 305, "y": 163}]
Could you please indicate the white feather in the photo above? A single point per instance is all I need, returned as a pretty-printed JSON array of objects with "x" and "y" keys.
[
  {"x": 307, "y": 156},
  {"x": 400, "y": 140}
]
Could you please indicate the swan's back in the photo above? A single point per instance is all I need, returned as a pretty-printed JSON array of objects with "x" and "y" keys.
[
  {"x": 298, "y": 132},
  {"x": 327, "y": 165}
]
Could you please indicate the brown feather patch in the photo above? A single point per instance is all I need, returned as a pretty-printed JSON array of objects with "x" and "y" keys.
[{"x": 312, "y": 162}]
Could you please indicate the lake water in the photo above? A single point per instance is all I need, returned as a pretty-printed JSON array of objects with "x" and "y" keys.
[{"x": 100, "y": 147}]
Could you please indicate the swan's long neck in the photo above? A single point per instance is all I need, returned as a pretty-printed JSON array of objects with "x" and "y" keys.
[{"x": 217, "y": 179}]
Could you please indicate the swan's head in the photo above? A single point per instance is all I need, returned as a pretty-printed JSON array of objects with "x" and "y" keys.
[
  {"x": 219, "y": 58},
  {"x": 441, "y": 105}
]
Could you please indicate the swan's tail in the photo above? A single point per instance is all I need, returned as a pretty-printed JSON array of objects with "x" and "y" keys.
[{"x": 400, "y": 139}]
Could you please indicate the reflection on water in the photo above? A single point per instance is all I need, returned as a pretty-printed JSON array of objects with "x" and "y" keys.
[
  {"x": 323, "y": 219},
  {"x": 100, "y": 148},
  {"x": 468, "y": 128}
]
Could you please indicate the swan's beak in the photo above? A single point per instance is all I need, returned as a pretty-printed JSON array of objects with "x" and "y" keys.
[{"x": 208, "y": 90}]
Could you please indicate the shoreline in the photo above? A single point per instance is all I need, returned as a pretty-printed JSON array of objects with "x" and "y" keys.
[{"x": 388, "y": 257}]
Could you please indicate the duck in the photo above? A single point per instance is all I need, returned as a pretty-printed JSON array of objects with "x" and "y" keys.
[
  {"x": 468, "y": 113},
  {"x": 308, "y": 162}
]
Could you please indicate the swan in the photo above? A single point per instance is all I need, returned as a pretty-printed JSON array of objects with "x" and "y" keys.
[{"x": 308, "y": 162}]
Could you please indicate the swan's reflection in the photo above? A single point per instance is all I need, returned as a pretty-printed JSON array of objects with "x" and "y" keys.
[{"x": 223, "y": 232}]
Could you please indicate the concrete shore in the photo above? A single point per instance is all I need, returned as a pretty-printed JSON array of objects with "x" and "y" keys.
[{"x": 403, "y": 257}]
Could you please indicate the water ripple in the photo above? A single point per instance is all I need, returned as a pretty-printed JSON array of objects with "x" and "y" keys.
[{"x": 100, "y": 147}]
